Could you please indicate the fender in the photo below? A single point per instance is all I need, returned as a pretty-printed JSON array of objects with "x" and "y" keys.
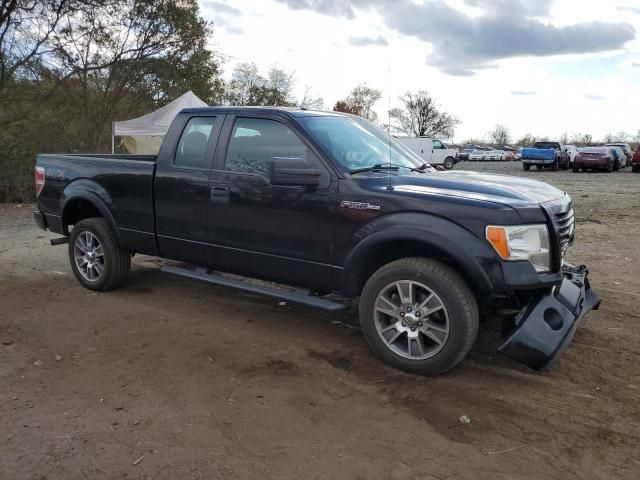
[
  {"x": 93, "y": 193},
  {"x": 441, "y": 236}
]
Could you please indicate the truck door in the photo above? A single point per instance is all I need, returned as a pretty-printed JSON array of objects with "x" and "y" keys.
[
  {"x": 182, "y": 187},
  {"x": 439, "y": 152},
  {"x": 263, "y": 230}
]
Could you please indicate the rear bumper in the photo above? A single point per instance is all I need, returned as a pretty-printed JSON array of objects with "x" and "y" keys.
[
  {"x": 591, "y": 163},
  {"x": 545, "y": 327},
  {"x": 40, "y": 219},
  {"x": 538, "y": 161}
]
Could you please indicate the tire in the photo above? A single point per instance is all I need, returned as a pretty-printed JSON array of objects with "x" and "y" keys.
[
  {"x": 566, "y": 165},
  {"x": 554, "y": 167},
  {"x": 576, "y": 169},
  {"x": 449, "y": 163},
  {"x": 86, "y": 238},
  {"x": 538, "y": 167},
  {"x": 609, "y": 167},
  {"x": 526, "y": 168},
  {"x": 458, "y": 315},
  {"x": 635, "y": 168}
]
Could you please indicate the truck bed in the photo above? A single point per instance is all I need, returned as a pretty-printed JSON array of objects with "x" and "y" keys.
[{"x": 123, "y": 182}]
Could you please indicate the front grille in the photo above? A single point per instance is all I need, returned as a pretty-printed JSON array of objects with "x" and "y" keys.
[{"x": 565, "y": 225}]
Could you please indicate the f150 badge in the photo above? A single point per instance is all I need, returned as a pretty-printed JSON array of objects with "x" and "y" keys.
[{"x": 359, "y": 205}]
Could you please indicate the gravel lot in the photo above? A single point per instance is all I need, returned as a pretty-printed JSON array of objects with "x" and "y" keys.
[{"x": 168, "y": 378}]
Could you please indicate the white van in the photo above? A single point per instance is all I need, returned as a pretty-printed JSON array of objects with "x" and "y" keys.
[{"x": 431, "y": 151}]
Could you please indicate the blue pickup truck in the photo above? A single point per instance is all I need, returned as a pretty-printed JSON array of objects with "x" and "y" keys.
[{"x": 545, "y": 155}]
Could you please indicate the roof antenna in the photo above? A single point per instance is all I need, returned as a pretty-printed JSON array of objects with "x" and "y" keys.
[{"x": 389, "y": 186}]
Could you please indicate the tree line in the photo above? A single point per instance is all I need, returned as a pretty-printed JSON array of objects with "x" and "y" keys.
[{"x": 500, "y": 135}]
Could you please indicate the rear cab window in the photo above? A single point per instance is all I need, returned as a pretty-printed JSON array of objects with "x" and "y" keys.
[{"x": 192, "y": 147}]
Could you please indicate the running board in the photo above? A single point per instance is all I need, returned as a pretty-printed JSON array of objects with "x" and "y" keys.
[{"x": 294, "y": 295}]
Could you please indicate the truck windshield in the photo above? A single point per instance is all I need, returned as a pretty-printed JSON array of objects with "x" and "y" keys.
[{"x": 357, "y": 144}]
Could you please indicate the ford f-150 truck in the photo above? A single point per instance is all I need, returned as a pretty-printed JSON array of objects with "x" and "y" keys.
[
  {"x": 545, "y": 155},
  {"x": 328, "y": 203}
]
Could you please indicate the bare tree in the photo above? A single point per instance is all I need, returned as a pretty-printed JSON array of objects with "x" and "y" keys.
[
  {"x": 421, "y": 117},
  {"x": 363, "y": 98},
  {"x": 344, "y": 107},
  {"x": 360, "y": 102},
  {"x": 249, "y": 87},
  {"x": 527, "y": 140},
  {"x": 310, "y": 101},
  {"x": 617, "y": 137},
  {"x": 25, "y": 28},
  {"x": 500, "y": 135}
]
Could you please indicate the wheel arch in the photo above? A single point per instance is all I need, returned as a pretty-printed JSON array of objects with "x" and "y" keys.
[
  {"x": 395, "y": 243},
  {"x": 80, "y": 202}
]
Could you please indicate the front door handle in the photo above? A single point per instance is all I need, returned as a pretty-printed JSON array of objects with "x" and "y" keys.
[{"x": 219, "y": 194}]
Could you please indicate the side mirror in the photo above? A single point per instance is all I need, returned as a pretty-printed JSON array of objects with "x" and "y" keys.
[{"x": 293, "y": 172}]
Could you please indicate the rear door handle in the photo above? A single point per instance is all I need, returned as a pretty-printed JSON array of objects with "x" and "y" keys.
[{"x": 219, "y": 194}]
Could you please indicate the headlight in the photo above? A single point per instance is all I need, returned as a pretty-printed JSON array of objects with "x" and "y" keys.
[{"x": 522, "y": 242}]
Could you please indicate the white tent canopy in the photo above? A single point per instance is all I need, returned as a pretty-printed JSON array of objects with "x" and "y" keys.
[{"x": 156, "y": 123}]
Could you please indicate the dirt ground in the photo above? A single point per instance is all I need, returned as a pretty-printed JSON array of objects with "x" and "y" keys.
[{"x": 167, "y": 378}]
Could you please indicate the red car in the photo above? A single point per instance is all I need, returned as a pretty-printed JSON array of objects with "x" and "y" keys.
[
  {"x": 594, "y": 158},
  {"x": 635, "y": 163}
]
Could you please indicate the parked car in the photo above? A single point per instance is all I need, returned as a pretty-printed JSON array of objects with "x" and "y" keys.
[
  {"x": 628, "y": 151},
  {"x": 573, "y": 152},
  {"x": 595, "y": 158},
  {"x": 488, "y": 154},
  {"x": 510, "y": 156},
  {"x": 329, "y": 202},
  {"x": 635, "y": 162},
  {"x": 620, "y": 158},
  {"x": 463, "y": 155},
  {"x": 519, "y": 154},
  {"x": 545, "y": 155},
  {"x": 432, "y": 151}
]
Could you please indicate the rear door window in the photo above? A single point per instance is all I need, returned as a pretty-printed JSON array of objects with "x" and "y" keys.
[{"x": 192, "y": 147}]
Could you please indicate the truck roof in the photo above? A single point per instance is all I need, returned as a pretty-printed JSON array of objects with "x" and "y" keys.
[{"x": 292, "y": 111}]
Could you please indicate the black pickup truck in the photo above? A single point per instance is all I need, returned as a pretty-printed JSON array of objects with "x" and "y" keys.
[{"x": 330, "y": 204}]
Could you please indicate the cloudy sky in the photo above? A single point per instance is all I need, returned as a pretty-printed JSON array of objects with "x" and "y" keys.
[{"x": 539, "y": 66}]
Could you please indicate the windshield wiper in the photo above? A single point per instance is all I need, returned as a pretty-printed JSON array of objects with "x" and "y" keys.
[{"x": 388, "y": 166}]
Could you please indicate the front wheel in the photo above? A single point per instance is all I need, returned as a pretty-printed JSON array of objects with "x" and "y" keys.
[
  {"x": 97, "y": 260},
  {"x": 419, "y": 315},
  {"x": 526, "y": 167}
]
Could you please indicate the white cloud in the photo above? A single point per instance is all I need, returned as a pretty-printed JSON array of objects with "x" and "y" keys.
[{"x": 545, "y": 95}]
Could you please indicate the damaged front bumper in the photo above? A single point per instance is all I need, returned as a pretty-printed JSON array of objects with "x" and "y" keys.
[{"x": 546, "y": 326}]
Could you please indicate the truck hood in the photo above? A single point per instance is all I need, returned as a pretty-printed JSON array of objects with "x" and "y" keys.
[{"x": 503, "y": 189}]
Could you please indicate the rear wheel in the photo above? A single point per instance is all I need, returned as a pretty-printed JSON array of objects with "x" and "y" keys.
[
  {"x": 526, "y": 167},
  {"x": 554, "y": 167},
  {"x": 609, "y": 167},
  {"x": 576, "y": 169},
  {"x": 418, "y": 315},
  {"x": 635, "y": 168},
  {"x": 97, "y": 261}
]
